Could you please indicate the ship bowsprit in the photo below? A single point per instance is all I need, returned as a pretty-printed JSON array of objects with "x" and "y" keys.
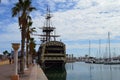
[{"x": 52, "y": 54}]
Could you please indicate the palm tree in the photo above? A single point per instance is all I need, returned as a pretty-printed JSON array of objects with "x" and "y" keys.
[
  {"x": 29, "y": 32},
  {"x": 6, "y": 52},
  {"x": 32, "y": 47},
  {"x": 22, "y": 9}
]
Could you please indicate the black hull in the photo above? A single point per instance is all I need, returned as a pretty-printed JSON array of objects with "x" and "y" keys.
[
  {"x": 53, "y": 64},
  {"x": 56, "y": 74}
]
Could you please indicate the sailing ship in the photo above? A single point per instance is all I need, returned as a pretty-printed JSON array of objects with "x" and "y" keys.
[{"x": 51, "y": 53}]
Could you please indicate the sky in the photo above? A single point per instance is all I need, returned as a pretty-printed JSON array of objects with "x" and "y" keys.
[{"x": 76, "y": 21}]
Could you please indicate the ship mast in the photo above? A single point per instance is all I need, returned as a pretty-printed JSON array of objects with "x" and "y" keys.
[{"x": 48, "y": 29}]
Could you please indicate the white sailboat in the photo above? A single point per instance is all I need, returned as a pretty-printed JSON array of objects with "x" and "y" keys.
[
  {"x": 110, "y": 61},
  {"x": 89, "y": 59},
  {"x": 99, "y": 61}
]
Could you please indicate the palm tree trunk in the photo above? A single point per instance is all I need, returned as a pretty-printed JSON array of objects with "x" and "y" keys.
[
  {"x": 27, "y": 52},
  {"x": 22, "y": 50}
]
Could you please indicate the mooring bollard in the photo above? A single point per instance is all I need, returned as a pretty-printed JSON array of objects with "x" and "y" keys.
[{"x": 15, "y": 46}]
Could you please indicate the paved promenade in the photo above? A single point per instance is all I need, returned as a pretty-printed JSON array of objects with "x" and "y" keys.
[
  {"x": 37, "y": 73},
  {"x": 33, "y": 73},
  {"x": 6, "y": 71}
]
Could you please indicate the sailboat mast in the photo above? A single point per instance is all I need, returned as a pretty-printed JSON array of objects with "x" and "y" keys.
[
  {"x": 106, "y": 50},
  {"x": 89, "y": 48},
  {"x": 109, "y": 45},
  {"x": 99, "y": 46}
]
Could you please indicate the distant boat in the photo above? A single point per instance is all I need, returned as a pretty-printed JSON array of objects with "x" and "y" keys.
[
  {"x": 110, "y": 61},
  {"x": 99, "y": 61},
  {"x": 89, "y": 59}
]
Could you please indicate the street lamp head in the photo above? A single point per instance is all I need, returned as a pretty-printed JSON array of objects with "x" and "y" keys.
[{"x": 15, "y": 46}]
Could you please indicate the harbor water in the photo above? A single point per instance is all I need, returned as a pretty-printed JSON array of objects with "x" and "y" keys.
[{"x": 84, "y": 71}]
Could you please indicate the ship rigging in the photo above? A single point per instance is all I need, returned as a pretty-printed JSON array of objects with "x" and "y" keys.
[{"x": 51, "y": 53}]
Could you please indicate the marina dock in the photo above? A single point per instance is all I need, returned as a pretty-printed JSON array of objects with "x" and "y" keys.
[{"x": 33, "y": 73}]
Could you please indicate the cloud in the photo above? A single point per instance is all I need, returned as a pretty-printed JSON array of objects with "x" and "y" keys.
[
  {"x": 74, "y": 20},
  {"x": 87, "y": 20},
  {"x": 5, "y": 2},
  {"x": 84, "y": 4},
  {"x": 1, "y": 53},
  {"x": 2, "y": 10},
  {"x": 9, "y": 34},
  {"x": 56, "y": 5},
  {"x": 8, "y": 2}
]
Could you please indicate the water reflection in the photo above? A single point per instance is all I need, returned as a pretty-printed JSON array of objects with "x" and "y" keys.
[
  {"x": 90, "y": 67},
  {"x": 70, "y": 66},
  {"x": 83, "y": 71},
  {"x": 104, "y": 72},
  {"x": 56, "y": 74}
]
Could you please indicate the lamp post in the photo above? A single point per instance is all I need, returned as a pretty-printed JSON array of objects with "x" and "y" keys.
[{"x": 15, "y": 46}]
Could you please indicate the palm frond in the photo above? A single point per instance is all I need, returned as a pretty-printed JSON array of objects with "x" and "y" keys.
[
  {"x": 29, "y": 18},
  {"x": 33, "y": 30},
  {"x": 30, "y": 23},
  {"x": 15, "y": 11},
  {"x": 17, "y": 8},
  {"x": 32, "y": 8}
]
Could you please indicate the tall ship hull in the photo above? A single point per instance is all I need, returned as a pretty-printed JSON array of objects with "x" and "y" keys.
[{"x": 51, "y": 53}]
